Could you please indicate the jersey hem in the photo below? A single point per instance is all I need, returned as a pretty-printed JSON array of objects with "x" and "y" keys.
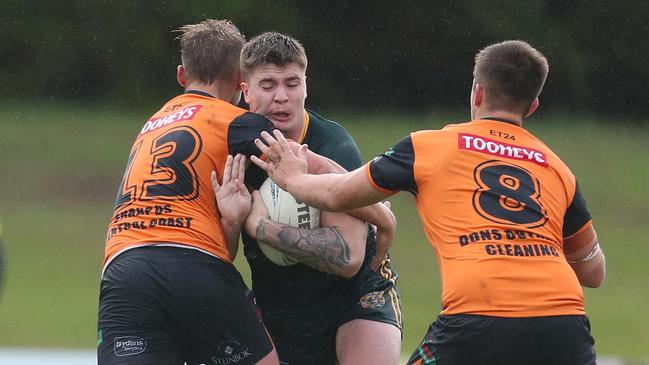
[
  {"x": 157, "y": 244},
  {"x": 526, "y": 314}
]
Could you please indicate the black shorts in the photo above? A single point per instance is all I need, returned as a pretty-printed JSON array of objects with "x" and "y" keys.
[
  {"x": 376, "y": 297},
  {"x": 169, "y": 305},
  {"x": 473, "y": 339},
  {"x": 308, "y": 335}
]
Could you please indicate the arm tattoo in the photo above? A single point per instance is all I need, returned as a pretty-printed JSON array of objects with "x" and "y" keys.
[{"x": 324, "y": 249}]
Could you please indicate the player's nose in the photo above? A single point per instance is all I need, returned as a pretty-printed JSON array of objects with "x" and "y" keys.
[{"x": 281, "y": 96}]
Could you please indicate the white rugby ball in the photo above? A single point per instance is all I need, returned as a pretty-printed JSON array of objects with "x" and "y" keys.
[{"x": 283, "y": 208}]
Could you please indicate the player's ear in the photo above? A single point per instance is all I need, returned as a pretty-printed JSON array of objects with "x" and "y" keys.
[
  {"x": 305, "y": 88},
  {"x": 239, "y": 79},
  {"x": 180, "y": 75},
  {"x": 478, "y": 94},
  {"x": 246, "y": 91},
  {"x": 535, "y": 104}
]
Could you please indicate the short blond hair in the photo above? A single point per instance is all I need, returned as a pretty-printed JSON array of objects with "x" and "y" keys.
[
  {"x": 512, "y": 74},
  {"x": 271, "y": 48},
  {"x": 210, "y": 50}
]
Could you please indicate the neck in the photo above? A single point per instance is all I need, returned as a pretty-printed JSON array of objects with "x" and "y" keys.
[
  {"x": 218, "y": 90},
  {"x": 512, "y": 118},
  {"x": 299, "y": 129}
]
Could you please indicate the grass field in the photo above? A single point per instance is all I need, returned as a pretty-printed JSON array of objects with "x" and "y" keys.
[{"x": 61, "y": 165}]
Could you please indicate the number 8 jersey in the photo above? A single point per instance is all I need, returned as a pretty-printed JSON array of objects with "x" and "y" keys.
[
  {"x": 496, "y": 204},
  {"x": 166, "y": 195}
]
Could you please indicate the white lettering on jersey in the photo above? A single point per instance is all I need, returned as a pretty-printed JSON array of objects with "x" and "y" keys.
[{"x": 488, "y": 146}]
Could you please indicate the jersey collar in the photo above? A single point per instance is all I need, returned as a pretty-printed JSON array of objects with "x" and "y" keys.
[
  {"x": 509, "y": 121},
  {"x": 305, "y": 127},
  {"x": 198, "y": 92}
]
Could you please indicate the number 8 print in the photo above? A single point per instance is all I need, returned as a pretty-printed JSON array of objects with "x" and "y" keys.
[{"x": 508, "y": 194}]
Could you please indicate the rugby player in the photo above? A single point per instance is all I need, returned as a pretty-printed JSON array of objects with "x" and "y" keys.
[
  {"x": 331, "y": 306},
  {"x": 169, "y": 292},
  {"x": 511, "y": 229}
]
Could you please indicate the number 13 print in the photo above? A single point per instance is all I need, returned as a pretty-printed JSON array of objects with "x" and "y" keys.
[{"x": 167, "y": 165}]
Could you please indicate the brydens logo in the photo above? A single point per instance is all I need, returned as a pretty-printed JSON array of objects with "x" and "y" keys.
[{"x": 129, "y": 345}]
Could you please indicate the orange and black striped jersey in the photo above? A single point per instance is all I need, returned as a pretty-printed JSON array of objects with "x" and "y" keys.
[
  {"x": 496, "y": 204},
  {"x": 166, "y": 195}
]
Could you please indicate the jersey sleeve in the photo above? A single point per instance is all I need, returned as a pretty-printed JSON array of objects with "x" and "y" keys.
[
  {"x": 394, "y": 169},
  {"x": 243, "y": 130},
  {"x": 577, "y": 215}
]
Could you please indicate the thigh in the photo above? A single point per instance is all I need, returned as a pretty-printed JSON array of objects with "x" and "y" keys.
[
  {"x": 220, "y": 322},
  {"x": 472, "y": 339},
  {"x": 230, "y": 333},
  {"x": 374, "y": 297},
  {"x": 368, "y": 342},
  {"x": 169, "y": 305},
  {"x": 448, "y": 341},
  {"x": 569, "y": 342},
  {"x": 132, "y": 325},
  {"x": 371, "y": 325},
  {"x": 297, "y": 344}
]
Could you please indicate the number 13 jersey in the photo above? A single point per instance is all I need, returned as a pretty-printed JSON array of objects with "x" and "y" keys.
[
  {"x": 166, "y": 194},
  {"x": 496, "y": 204}
]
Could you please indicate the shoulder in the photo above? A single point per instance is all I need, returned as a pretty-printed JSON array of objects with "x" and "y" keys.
[
  {"x": 330, "y": 139},
  {"x": 450, "y": 128},
  {"x": 551, "y": 156},
  {"x": 247, "y": 118},
  {"x": 325, "y": 128},
  {"x": 427, "y": 136},
  {"x": 454, "y": 127}
]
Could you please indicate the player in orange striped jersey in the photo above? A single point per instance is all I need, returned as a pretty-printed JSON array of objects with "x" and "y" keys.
[
  {"x": 511, "y": 230},
  {"x": 169, "y": 291}
]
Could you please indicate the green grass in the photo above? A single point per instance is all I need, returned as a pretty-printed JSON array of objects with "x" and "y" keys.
[{"x": 61, "y": 165}]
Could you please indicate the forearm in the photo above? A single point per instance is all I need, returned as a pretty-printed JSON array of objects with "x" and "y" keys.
[
  {"x": 319, "y": 164},
  {"x": 333, "y": 192},
  {"x": 377, "y": 214},
  {"x": 231, "y": 232},
  {"x": 324, "y": 249}
]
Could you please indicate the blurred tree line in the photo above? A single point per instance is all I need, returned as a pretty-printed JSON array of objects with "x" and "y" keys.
[{"x": 364, "y": 55}]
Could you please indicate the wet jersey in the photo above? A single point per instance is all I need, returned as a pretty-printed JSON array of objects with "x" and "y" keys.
[
  {"x": 496, "y": 204},
  {"x": 166, "y": 194},
  {"x": 322, "y": 297}
]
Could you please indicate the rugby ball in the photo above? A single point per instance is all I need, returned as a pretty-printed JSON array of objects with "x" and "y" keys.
[{"x": 283, "y": 208}]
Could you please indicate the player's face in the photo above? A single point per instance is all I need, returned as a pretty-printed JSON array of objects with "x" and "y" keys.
[{"x": 278, "y": 93}]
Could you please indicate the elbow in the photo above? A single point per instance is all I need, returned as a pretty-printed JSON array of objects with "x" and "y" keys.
[
  {"x": 335, "y": 205},
  {"x": 391, "y": 221},
  {"x": 352, "y": 268},
  {"x": 356, "y": 256},
  {"x": 594, "y": 281},
  {"x": 593, "y": 276}
]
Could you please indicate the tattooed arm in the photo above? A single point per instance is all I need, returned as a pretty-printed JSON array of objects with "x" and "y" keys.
[{"x": 337, "y": 247}]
